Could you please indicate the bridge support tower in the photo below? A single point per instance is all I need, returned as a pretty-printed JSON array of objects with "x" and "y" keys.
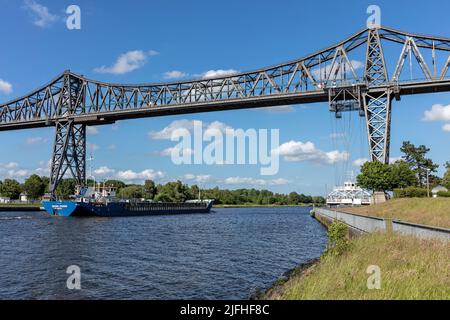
[
  {"x": 377, "y": 104},
  {"x": 69, "y": 149}
]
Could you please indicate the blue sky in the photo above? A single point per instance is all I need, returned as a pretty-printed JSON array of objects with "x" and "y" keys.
[{"x": 193, "y": 38}]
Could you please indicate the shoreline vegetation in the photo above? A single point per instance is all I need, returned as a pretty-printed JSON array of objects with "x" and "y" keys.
[{"x": 410, "y": 268}]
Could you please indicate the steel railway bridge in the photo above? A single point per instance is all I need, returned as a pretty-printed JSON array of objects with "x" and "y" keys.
[{"x": 71, "y": 102}]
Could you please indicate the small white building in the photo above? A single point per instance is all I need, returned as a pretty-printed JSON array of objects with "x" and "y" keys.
[
  {"x": 23, "y": 197},
  {"x": 438, "y": 189},
  {"x": 4, "y": 200}
]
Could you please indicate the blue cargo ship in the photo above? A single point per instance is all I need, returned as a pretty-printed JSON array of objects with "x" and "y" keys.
[{"x": 103, "y": 203}]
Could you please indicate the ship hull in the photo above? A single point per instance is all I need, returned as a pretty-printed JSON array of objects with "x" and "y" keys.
[{"x": 119, "y": 209}]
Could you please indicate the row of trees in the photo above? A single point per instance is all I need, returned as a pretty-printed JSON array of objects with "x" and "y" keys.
[
  {"x": 414, "y": 170},
  {"x": 36, "y": 187}
]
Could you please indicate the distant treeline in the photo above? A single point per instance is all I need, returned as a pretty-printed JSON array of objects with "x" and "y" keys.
[{"x": 35, "y": 188}]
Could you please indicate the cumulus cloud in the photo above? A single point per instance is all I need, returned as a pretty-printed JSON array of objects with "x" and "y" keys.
[
  {"x": 130, "y": 175},
  {"x": 197, "y": 178},
  {"x": 254, "y": 181},
  {"x": 319, "y": 72},
  {"x": 175, "y": 150},
  {"x": 40, "y": 13},
  {"x": 360, "y": 162},
  {"x": 104, "y": 171},
  {"x": 395, "y": 159},
  {"x": 12, "y": 170},
  {"x": 127, "y": 175},
  {"x": 438, "y": 112},
  {"x": 174, "y": 74},
  {"x": 218, "y": 73},
  {"x": 5, "y": 87},
  {"x": 127, "y": 62},
  {"x": 297, "y": 151},
  {"x": 446, "y": 127},
  {"x": 167, "y": 132}
]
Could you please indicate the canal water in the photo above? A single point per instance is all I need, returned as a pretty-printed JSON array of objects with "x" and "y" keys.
[{"x": 228, "y": 254}]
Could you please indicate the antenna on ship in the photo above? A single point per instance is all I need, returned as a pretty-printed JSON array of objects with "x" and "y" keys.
[{"x": 91, "y": 159}]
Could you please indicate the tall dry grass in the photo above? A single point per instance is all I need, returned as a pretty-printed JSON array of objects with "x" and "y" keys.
[
  {"x": 433, "y": 211},
  {"x": 410, "y": 269}
]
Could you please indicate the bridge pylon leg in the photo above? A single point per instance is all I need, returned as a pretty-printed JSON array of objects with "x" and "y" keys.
[
  {"x": 377, "y": 104},
  {"x": 377, "y": 109},
  {"x": 69, "y": 153}
]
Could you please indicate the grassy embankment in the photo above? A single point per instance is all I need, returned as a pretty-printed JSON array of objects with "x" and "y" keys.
[
  {"x": 433, "y": 212},
  {"x": 18, "y": 205},
  {"x": 410, "y": 269}
]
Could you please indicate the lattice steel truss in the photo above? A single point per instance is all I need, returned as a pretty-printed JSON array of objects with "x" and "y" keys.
[
  {"x": 377, "y": 107},
  {"x": 69, "y": 150},
  {"x": 71, "y": 101}
]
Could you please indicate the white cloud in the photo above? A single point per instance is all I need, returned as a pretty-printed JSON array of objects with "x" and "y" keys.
[
  {"x": 360, "y": 162},
  {"x": 112, "y": 147},
  {"x": 218, "y": 73},
  {"x": 166, "y": 133},
  {"x": 395, "y": 159},
  {"x": 197, "y": 178},
  {"x": 91, "y": 131},
  {"x": 446, "y": 127},
  {"x": 297, "y": 151},
  {"x": 103, "y": 171},
  {"x": 182, "y": 152},
  {"x": 41, "y": 14},
  {"x": 318, "y": 72},
  {"x": 127, "y": 62},
  {"x": 253, "y": 181},
  {"x": 5, "y": 87},
  {"x": 175, "y": 74},
  {"x": 130, "y": 175},
  {"x": 438, "y": 112},
  {"x": 36, "y": 140}
]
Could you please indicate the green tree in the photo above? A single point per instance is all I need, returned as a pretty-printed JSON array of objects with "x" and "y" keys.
[
  {"x": 66, "y": 189},
  {"x": 115, "y": 183},
  {"x": 132, "y": 192},
  {"x": 46, "y": 183},
  {"x": 375, "y": 176},
  {"x": 446, "y": 179},
  {"x": 11, "y": 189},
  {"x": 174, "y": 192},
  {"x": 402, "y": 176},
  {"x": 150, "y": 189},
  {"x": 294, "y": 198},
  {"x": 34, "y": 187},
  {"x": 416, "y": 158}
]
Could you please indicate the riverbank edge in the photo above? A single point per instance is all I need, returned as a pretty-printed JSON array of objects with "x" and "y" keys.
[
  {"x": 231, "y": 206},
  {"x": 20, "y": 208},
  {"x": 299, "y": 271},
  {"x": 304, "y": 269}
]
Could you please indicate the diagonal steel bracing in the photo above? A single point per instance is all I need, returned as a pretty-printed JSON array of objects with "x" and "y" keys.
[
  {"x": 69, "y": 150},
  {"x": 377, "y": 107}
]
